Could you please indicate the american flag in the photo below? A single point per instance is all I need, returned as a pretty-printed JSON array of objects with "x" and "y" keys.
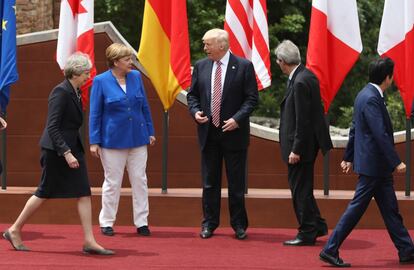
[{"x": 246, "y": 23}]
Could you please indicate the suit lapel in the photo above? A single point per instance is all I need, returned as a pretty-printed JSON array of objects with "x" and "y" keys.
[
  {"x": 289, "y": 87},
  {"x": 230, "y": 73},
  {"x": 208, "y": 78},
  {"x": 75, "y": 99}
]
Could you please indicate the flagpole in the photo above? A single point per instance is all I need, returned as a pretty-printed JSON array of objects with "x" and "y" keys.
[
  {"x": 246, "y": 184},
  {"x": 4, "y": 159},
  {"x": 326, "y": 165},
  {"x": 164, "y": 152},
  {"x": 408, "y": 157}
]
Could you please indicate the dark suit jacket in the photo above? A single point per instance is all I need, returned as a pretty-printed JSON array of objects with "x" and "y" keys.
[
  {"x": 239, "y": 98},
  {"x": 371, "y": 137},
  {"x": 64, "y": 118},
  {"x": 302, "y": 126}
]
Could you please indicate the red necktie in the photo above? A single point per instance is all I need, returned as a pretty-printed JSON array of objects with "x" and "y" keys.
[{"x": 216, "y": 99}]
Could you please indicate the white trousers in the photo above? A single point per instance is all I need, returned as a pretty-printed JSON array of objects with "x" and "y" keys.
[{"x": 114, "y": 162}]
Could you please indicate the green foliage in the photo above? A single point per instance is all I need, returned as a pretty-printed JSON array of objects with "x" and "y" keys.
[
  {"x": 291, "y": 23},
  {"x": 202, "y": 16},
  {"x": 268, "y": 105},
  {"x": 346, "y": 117},
  {"x": 396, "y": 109},
  {"x": 287, "y": 19},
  {"x": 126, "y": 15}
]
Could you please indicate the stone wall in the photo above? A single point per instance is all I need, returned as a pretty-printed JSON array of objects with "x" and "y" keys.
[
  {"x": 56, "y": 12},
  {"x": 36, "y": 15}
]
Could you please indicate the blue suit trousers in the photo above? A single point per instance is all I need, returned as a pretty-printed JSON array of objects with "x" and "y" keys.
[{"x": 382, "y": 189}]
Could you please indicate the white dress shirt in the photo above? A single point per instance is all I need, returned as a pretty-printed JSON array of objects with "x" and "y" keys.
[{"x": 224, "y": 63}]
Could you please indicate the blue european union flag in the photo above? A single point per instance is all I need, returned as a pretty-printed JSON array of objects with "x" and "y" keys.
[{"x": 8, "y": 68}]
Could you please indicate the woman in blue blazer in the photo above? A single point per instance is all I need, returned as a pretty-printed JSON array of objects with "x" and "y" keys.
[{"x": 120, "y": 128}]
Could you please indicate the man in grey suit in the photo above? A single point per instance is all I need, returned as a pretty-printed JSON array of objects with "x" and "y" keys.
[
  {"x": 303, "y": 132},
  {"x": 222, "y": 96},
  {"x": 371, "y": 151}
]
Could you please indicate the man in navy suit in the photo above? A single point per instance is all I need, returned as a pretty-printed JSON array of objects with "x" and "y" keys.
[
  {"x": 222, "y": 96},
  {"x": 371, "y": 151}
]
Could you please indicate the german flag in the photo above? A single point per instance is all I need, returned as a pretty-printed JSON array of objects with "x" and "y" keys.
[{"x": 164, "y": 50}]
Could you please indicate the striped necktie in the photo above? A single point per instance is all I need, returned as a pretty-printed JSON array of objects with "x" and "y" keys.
[{"x": 216, "y": 100}]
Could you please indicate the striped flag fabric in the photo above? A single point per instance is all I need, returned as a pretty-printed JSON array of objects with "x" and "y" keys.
[
  {"x": 334, "y": 44},
  {"x": 164, "y": 49},
  {"x": 246, "y": 23},
  {"x": 396, "y": 41},
  {"x": 76, "y": 34}
]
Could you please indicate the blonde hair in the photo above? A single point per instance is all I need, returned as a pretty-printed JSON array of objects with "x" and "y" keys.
[
  {"x": 220, "y": 36},
  {"x": 115, "y": 52},
  {"x": 77, "y": 64}
]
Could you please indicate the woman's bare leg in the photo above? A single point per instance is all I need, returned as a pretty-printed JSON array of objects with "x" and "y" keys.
[
  {"x": 32, "y": 204},
  {"x": 85, "y": 214}
]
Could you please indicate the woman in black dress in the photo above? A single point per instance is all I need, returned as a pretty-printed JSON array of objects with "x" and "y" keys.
[{"x": 62, "y": 157}]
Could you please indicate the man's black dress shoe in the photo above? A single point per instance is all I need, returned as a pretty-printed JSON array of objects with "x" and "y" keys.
[
  {"x": 144, "y": 231},
  {"x": 93, "y": 251},
  {"x": 298, "y": 242},
  {"x": 407, "y": 259},
  {"x": 322, "y": 233},
  {"x": 108, "y": 231},
  {"x": 240, "y": 233},
  {"x": 334, "y": 261},
  {"x": 206, "y": 233}
]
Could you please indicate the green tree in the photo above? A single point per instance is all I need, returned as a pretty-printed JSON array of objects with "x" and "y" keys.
[{"x": 126, "y": 15}]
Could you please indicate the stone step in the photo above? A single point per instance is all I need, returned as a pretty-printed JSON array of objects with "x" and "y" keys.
[{"x": 270, "y": 208}]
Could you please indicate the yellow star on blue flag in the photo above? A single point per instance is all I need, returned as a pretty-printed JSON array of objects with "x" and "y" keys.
[
  {"x": 8, "y": 67},
  {"x": 4, "y": 25}
]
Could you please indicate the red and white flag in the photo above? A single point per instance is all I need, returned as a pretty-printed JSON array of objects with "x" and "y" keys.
[
  {"x": 334, "y": 44},
  {"x": 396, "y": 41},
  {"x": 76, "y": 34},
  {"x": 246, "y": 23}
]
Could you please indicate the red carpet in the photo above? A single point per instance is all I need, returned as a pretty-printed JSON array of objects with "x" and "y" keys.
[{"x": 58, "y": 247}]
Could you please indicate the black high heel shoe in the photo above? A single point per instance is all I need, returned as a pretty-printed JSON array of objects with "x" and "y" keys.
[
  {"x": 93, "y": 251},
  {"x": 21, "y": 247}
]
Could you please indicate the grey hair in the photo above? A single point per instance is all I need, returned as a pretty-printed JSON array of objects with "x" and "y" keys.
[
  {"x": 221, "y": 36},
  {"x": 288, "y": 52},
  {"x": 77, "y": 64}
]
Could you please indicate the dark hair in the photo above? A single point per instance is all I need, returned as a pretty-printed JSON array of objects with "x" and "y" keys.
[{"x": 379, "y": 69}]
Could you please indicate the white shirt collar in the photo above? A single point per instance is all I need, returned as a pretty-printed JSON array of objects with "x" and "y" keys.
[
  {"x": 293, "y": 72},
  {"x": 225, "y": 59},
  {"x": 378, "y": 88}
]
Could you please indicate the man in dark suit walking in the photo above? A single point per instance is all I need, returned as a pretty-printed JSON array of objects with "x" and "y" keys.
[
  {"x": 303, "y": 132},
  {"x": 222, "y": 96},
  {"x": 371, "y": 151}
]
